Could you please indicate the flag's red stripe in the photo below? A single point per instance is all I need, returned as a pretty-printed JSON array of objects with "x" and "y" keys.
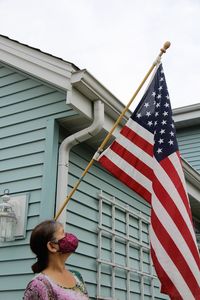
[
  {"x": 174, "y": 253},
  {"x": 132, "y": 160},
  {"x": 176, "y": 216},
  {"x": 174, "y": 176},
  {"x": 137, "y": 139},
  {"x": 125, "y": 178},
  {"x": 167, "y": 286}
]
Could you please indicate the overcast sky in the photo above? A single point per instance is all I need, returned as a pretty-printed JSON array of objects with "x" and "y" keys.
[{"x": 115, "y": 40}]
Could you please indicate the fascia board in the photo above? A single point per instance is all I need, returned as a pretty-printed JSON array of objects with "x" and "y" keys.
[
  {"x": 52, "y": 70},
  {"x": 80, "y": 103}
]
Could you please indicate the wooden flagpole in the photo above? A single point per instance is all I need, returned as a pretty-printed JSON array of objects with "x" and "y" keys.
[{"x": 100, "y": 149}]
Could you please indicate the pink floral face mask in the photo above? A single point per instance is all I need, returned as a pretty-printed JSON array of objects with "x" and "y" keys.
[{"x": 68, "y": 243}]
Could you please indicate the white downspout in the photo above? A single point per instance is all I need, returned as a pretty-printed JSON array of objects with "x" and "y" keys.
[{"x": 65, "y": 147}]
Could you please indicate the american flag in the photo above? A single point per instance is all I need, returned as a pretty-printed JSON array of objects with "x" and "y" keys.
[{"x": 146, "y": 158}]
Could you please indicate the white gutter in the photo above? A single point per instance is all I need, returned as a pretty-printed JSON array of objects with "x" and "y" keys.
[{"x": 65, "y": 147}]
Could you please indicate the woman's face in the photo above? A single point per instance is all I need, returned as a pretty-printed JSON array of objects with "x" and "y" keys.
[
  {"x": 59, "y": 234},
  {"x": 65, "y": 242}
]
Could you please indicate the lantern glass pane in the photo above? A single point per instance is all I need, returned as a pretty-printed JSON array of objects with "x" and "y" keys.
[{"x": 7, "y": 228}]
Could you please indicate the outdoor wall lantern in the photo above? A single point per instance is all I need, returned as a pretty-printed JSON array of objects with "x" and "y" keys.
[{"x": 13, "y": 216}]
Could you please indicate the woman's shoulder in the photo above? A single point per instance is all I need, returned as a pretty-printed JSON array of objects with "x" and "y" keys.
[{"x": 37, "y": 289}]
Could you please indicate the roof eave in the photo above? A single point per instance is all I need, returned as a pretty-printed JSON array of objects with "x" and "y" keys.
[
  {"x": 34, "y": 62},
  {"x": 61, "y": 74}
]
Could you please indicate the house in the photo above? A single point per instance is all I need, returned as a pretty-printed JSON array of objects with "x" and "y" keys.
[{"x": 53, "y": 117}]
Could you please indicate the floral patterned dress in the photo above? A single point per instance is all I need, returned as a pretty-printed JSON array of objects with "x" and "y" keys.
[{"x": 43, "y": 288}]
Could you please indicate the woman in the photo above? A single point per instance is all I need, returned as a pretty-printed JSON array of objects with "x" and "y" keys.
[{"x": 54, "y": 282}]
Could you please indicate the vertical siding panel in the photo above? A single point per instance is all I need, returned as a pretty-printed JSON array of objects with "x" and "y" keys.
[{"x": 50, "y": 172}]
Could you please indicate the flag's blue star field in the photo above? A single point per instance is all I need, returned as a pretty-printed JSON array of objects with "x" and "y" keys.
[{"x": 155, "y": 114}]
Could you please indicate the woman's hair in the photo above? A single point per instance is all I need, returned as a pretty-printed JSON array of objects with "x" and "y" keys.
[{"x": 41, "y": 235}]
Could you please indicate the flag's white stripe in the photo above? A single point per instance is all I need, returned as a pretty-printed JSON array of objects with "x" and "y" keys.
[
  {"x": 130, "y": 170},
  {"x": 176, "y": 162},
  {"x": 176, "y": 236},
  {"x": 135, "y": 150},
  {"x": 177, "y": 165},
  {"x": 144, "y": 133},
  {"x": 170, "y": 268},
  {"x": 168, "y": 185}
]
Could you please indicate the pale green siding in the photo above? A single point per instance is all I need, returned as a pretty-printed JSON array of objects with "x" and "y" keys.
[
  {"x": 29, "y": 135},
  {"x": 189, "y": 145}
]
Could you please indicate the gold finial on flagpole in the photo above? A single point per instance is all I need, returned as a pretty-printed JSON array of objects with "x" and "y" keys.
[{"x": 165, "y": 47}]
